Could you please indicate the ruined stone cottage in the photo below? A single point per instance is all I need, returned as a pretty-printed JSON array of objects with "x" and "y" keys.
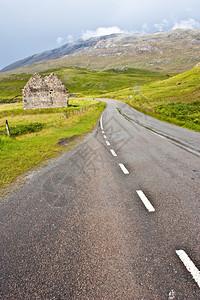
[{"x": 44, "y": 93}]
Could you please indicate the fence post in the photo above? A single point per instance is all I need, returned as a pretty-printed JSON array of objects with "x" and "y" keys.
[
  {"x": 7, "y": 128},
  {"x": 64, "y": 116}
]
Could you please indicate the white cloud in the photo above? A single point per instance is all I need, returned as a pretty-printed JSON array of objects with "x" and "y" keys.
[
  {"x": 145, "y": 28},
  {"x": 59, "y": 40},
  {"x": 186, "y": 24},
  {"x": 101, "y": 31},
  {"x": 163, "y": 25},
  {"x": 70, "y": 38}
]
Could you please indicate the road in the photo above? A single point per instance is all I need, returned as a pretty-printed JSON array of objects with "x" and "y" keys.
[{"x": 117, "y": 217}]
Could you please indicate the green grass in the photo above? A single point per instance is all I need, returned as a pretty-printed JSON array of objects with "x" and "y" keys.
[
  {"x": 11, "y": 87},
  {"x": 175, "y": 100},
  {"x": 82, "y": 82},
  {"x": 12, "y": 111},
  {"x": 88, "y": 83},
  {"x": 172, "y": 99},
  {"x": 23, "y": 129},
  {"x": 20, "y": 154}
]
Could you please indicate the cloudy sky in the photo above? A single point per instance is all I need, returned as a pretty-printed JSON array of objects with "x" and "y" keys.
[{"x": 32, "y": 26}]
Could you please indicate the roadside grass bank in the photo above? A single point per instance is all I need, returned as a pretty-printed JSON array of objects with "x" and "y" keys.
[
  {"x": 175, "y": 100},
  {"x": 27, "y": 150}
]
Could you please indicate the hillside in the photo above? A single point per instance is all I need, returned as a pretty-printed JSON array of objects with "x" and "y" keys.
[
  {"x": 175, "y": 100},
  {"x": 173, "y": 51},
  {"x": 82, "y": 82},
  {"x": 172, "y": 99}
]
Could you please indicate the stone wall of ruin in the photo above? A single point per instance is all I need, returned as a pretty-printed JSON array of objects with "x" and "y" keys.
[{"x": 45, "y": 93}]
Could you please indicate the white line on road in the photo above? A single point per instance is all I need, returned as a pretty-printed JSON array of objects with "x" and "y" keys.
[
  {"x": 145, "y": 201},
  {"x": 105, "y": 137},
  {"x": 107, "y": 143},
  {"x": 113, "y": 152},
  {"x": 101, "y": 123},
  {"x": 172, "y": 295},
  {"x": 103, "y": 131},
  {"x": 190, "y": 266},
  {"x": 124, "y": 169},
  {"x": 158, "y": 135}
]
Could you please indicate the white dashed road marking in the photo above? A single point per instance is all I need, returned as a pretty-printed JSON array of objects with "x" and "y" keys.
[
  {"x": 190, "y": 266},
  {"x": 145, "y": 201},
  {"x": 124, "y": 169},
  {"x": 101, "y": 123},
  {"x": 113, "y": 152},
  {"x": 107, "y": 143},
  {"x": 105, "y": 137},
  {"x": 172, "y": 295},
  {"x": 103, "y": 132}
]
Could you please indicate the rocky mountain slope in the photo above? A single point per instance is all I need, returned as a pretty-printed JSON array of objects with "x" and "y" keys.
[
  {"x": 172, "y": 51},
  {"x": 64, "y": 50}
]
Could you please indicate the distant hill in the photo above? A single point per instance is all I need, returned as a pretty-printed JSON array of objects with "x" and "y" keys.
[{"x": 172, "y": 51}]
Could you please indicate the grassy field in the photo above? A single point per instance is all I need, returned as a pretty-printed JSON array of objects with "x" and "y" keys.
[
  {"x": 28, "y": 149},
  {"x": 35, "y": 133},
  {"x": 175, "y": 100},
  {"x": 82, "y": 82},
  {"x": 11, "y": 87},
  {"x": 94, "y": 83}
]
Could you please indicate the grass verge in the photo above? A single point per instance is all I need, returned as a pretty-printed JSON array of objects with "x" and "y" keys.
[
  {"x": 20, "y": 154},
  {"x": 175, "y": 100}
]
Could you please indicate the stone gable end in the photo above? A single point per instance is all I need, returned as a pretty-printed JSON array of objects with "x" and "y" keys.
[{"x": 45, "y": 93}]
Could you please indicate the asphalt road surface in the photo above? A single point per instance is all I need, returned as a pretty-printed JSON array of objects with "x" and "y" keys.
[{"x": 117, "y": 217}]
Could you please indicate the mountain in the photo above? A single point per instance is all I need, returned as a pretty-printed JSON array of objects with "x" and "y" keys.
[
  {"x": 66, "y": 49},
  {"x": 172, "y": 51}
]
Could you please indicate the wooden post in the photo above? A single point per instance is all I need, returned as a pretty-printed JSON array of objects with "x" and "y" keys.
[
  {"x": 7, "y": 128},
  {"x": 64, "y": 116}
]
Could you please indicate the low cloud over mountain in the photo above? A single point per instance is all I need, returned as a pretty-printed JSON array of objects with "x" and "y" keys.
[{"x": 174, "y": 50}]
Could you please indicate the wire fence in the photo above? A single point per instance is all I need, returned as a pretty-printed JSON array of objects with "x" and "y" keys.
[
  {"x": 77, "y": 111},
  {"x": 32, "y": 127}
]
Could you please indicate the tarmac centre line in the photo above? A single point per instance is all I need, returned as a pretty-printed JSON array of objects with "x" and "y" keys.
[
  {"x": 190, "y": 266},
  {"x": 113, "y": 152},
  {"x": 103, "y": 132},
  {"x": 107, "y": 143},
  {"x": 124, "y": 169},
  {"x": 145, "y": 201},
  {"x": 105, "y": 137}
]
